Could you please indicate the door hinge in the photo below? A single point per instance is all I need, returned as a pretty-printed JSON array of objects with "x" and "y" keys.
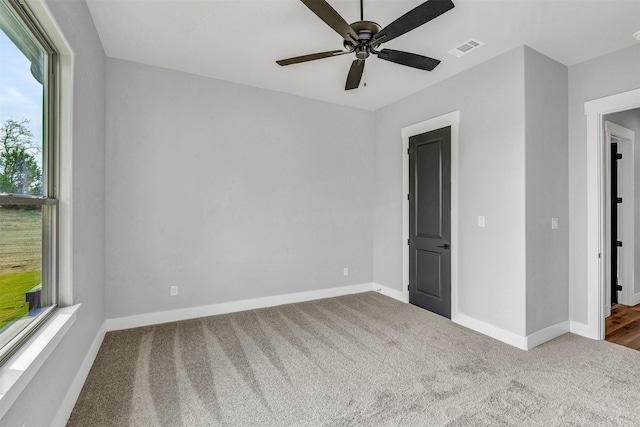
[
  {"x": 409, "y": 287},
  {"x": 408, "y": 241},
  {"x": 619, "y": 244},
  {"x": 619, "y": 199},
  {"x": 409, "y": 197},
  {"x": 408, "y": 150},
  {"x": 618, "y": 156},
  {"x": 618, "y": 287}
]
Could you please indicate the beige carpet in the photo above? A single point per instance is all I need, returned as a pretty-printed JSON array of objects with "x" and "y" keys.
[{"x": 363, "y": 359}]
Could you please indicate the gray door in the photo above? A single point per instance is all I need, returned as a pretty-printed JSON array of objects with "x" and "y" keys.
[{"x": 430, "y": 221}]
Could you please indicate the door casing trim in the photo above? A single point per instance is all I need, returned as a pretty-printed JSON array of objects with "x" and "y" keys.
[
  {"x": 450, "y": 119},
  {"x": 596, "y": 203}
]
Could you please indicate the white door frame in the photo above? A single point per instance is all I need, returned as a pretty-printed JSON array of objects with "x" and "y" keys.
[
  {"x": 451, "y": 119},
  {"x": 625, "y": 139},
  {"x": 596, "y": 238}
]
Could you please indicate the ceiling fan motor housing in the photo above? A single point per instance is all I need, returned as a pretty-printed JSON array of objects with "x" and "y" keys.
[{"x": 365, "y": 31}]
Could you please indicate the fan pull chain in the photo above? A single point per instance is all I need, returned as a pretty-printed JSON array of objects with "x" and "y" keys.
[{"x": 365, "y": 77}]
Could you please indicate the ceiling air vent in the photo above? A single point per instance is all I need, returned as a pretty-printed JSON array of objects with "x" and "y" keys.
[{"x": 466, "y": 47}]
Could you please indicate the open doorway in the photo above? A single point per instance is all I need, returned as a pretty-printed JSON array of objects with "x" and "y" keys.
[
  {"x": 595, "y": 110},
  {"x": 622, "y": 175}
]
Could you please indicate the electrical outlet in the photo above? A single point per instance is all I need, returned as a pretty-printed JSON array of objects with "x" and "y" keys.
[
  {"x": 480, "y": 221},
  {"x": 345, "y": 271},
  {"x": 554, "y": 223},
  {"x": 174, "y": 291}
]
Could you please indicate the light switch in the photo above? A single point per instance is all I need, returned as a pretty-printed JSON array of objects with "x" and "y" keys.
[
  {"x": 554, "y": 223},
  {"x": 480, "y": 221}
]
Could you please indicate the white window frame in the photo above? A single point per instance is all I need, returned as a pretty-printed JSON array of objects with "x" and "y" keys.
[
  {"x": 48, "y": 201},
  {"x": 24, "y": 365}
]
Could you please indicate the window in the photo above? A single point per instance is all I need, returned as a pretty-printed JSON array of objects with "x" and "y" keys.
[{"x": 28, "y": 200}]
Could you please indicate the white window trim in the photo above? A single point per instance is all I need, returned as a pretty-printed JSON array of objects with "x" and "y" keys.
[
  {"x": 64, "y": 140},
  {"x": 16, "y": 373},
  {"x": 20, "y": 368}
]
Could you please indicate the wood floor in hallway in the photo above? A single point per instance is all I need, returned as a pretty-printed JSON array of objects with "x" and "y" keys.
[{"x": 623, "y": 326}]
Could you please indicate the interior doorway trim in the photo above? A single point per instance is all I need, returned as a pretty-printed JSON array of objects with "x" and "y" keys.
[
  {"x": 450, "y": 119},
  {"x": 596, "y": 203}
]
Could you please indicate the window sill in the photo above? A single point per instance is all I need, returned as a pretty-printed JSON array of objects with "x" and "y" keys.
[{"x": 18, "y": 371}]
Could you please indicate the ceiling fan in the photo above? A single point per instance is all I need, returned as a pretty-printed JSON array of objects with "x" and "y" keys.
[{"x": 365, "y": 37}]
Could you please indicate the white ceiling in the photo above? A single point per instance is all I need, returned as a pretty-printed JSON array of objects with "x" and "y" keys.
[{"x": 240, "y": 40}]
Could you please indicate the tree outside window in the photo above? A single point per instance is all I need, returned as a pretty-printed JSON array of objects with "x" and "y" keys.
[{"x": 19, "y": 170}]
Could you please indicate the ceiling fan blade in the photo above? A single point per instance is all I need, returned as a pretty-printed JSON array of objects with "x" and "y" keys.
[
  {"x": 413, "y": 19},
  {"x": 355, "y": 74},
  {"x": 311, "y": 57},
  {"x": 332, "y": 19},
  {"x": 409, "y": 59}
]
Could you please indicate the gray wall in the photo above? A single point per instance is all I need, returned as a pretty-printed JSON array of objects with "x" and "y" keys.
[
  {"x": 606, "y": 75},
  {"x": 55, "y": 376},
  {"x": 230, "y": 192},
  {"x": 631, "y": 120},
  {"x": 546, "y": 191},
  {"x": 490, "y": 98},
  {"x": 233, "y": 192}
]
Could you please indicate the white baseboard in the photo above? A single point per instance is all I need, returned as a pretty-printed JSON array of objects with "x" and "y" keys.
[
  {"x": 521, "y": 342},
  {"x": 492, "y": 331},
  {"x": 546, "y": 334},
  {"x": 158, "y": 317},
  {"x": 73, "y": 393},
  {"x": 392, "y": 293},
  {"x": 635, "y": 299},
  {"x": 581, "y": 329}
]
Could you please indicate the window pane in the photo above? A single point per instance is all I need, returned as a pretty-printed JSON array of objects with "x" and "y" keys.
[
  {"x": 20, "y": 268},
  {"x": 22, "y": 103}
]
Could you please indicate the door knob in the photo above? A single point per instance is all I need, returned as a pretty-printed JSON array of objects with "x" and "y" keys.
[{"x": 445, "y": 246}]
